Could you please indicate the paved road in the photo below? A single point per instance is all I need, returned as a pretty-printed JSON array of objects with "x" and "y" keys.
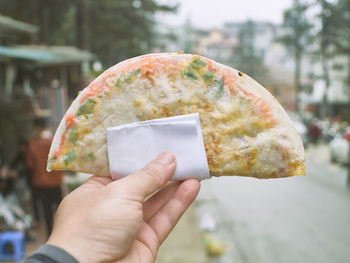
[{"x": 291, "y": 220}]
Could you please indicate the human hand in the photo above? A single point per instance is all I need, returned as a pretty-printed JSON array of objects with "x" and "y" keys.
[{"x": 111, "y": 221}]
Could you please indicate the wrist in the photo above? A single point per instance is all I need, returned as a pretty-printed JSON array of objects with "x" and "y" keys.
[
  {"x": 66, "y": 244},
  {"x": 50, "y": 253}
]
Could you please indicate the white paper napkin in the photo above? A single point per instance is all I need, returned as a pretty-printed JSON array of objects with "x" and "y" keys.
[{"x": 132, "y": 146}]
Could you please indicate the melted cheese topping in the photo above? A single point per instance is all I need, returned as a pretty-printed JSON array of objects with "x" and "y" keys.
[{"x": 240, "y": 135}]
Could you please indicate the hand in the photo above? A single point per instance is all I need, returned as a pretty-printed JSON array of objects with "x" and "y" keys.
[{"x": 110, "y": 221}]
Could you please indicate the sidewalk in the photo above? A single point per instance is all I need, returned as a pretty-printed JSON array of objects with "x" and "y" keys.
[
  {"x": 184, "y": 242},
  {"x": 182, "y": 245}
]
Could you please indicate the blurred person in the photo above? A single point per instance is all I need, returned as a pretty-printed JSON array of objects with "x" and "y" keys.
[
  {"x": 25, "y": 177},
  {"x": 119, "y": 221},
  {"x": 46, "y": 186},
  {"x": 23, "y": 172},
  {"x": 314, "y": 132}
]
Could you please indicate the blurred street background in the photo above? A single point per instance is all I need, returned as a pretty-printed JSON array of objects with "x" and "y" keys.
[{"x": 299, "y": 50}]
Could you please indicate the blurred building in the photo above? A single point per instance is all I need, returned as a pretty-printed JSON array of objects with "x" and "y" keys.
[
  {"x": 337, "y": 93},
  {"x": 34, "y": 81},
  {"x": 219, "y": 44}
]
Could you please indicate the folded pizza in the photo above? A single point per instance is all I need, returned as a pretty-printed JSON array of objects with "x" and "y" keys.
[{"x": 246, "y": 132}]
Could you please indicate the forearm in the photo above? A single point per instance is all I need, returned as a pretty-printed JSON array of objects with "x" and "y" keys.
[{"x": 50, "y": 254}]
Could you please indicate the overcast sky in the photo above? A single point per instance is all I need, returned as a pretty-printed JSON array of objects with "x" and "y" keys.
[{"x": 213, "y": 13}]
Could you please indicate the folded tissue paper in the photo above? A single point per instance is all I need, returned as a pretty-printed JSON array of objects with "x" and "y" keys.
[{"x": 132, "y": 146}]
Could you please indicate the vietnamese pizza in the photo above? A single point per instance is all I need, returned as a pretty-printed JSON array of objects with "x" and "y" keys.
[{"x": 245, "y": 130}]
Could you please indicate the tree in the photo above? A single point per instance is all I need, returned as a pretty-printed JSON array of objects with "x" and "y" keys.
[
  {"x": 324, "y": 40},
  {"x": 113, "y": 30},
  {"x": 341, "y": 38},
  {"x": 341, "y": 32},
  {"x": 296, "y": 27},
  {"x": 47, "y": 14},
  {"x": 122, "y": 29},
  {"x": 246, "y": 56}
]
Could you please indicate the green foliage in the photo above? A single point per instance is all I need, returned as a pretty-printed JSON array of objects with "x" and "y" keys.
[
  {"x": 341, "y": 33},
  {"x": 323, "y": 40},
  {"x": 112, "y": 29},
  {"x": 324, "y": 36},
  {"x": 246, "y": 56},
  {"x": 49, "y": 15},
  {"x": 121, "y": 30},
  {"x": 296, "y": 37},
  {"x": 341, "y": 27},
  {"x": 296, "y": 28}
]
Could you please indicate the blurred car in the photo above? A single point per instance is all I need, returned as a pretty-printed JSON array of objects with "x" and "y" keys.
[
  {"x": 346, "y": 135},
  {"x": 302, "y": 130},
  {"x": 339, "y": 149}
]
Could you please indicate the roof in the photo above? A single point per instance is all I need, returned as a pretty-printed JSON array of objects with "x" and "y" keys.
[
  {"x": 230, "y": 42},
  {"x": 8, "y": 24},
  {"x": 45, "y": 55}
]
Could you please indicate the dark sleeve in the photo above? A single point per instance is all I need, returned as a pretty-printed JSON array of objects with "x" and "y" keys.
[{"x": 50, "y": 254}]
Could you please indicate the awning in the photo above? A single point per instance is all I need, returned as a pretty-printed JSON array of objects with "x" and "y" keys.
[
  {"x": 45, "y": 54},
  {"x": 8, "y": 24}
]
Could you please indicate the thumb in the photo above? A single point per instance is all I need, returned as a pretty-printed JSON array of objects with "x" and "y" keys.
[{"x": 150, "y": 178}]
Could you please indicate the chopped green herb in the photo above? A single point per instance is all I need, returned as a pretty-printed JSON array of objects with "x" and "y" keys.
[
  {"x": 86, "y": 108},
  {"x": 137, "y": 71},
  {"x": 208, "y": 76},
  {"x": 73, "y": 135},
  {"x": 190, "y": 75},
  {"x": 199, "y": 63},
  {"x": 69, "y": 157},
  {"x": 100, "y": 96},
  {"x": 219, "y": 83},
  {"x": 91, "y": 156},
  {"x": 128, "y": 77},
  {"x": 196, "y": 64},
  {"x": 118, "y": 83},
  {"x": 79, "y": 92}
]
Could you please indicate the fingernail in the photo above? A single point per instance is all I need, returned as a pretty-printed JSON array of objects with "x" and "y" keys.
[{"x": 165, "y": 158}]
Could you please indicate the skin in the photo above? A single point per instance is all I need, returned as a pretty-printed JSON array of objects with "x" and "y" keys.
[{"x": 124, "y": 220}]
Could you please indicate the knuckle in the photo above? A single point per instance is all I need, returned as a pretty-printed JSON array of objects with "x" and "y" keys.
[{"x": 153, "y": 169}]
